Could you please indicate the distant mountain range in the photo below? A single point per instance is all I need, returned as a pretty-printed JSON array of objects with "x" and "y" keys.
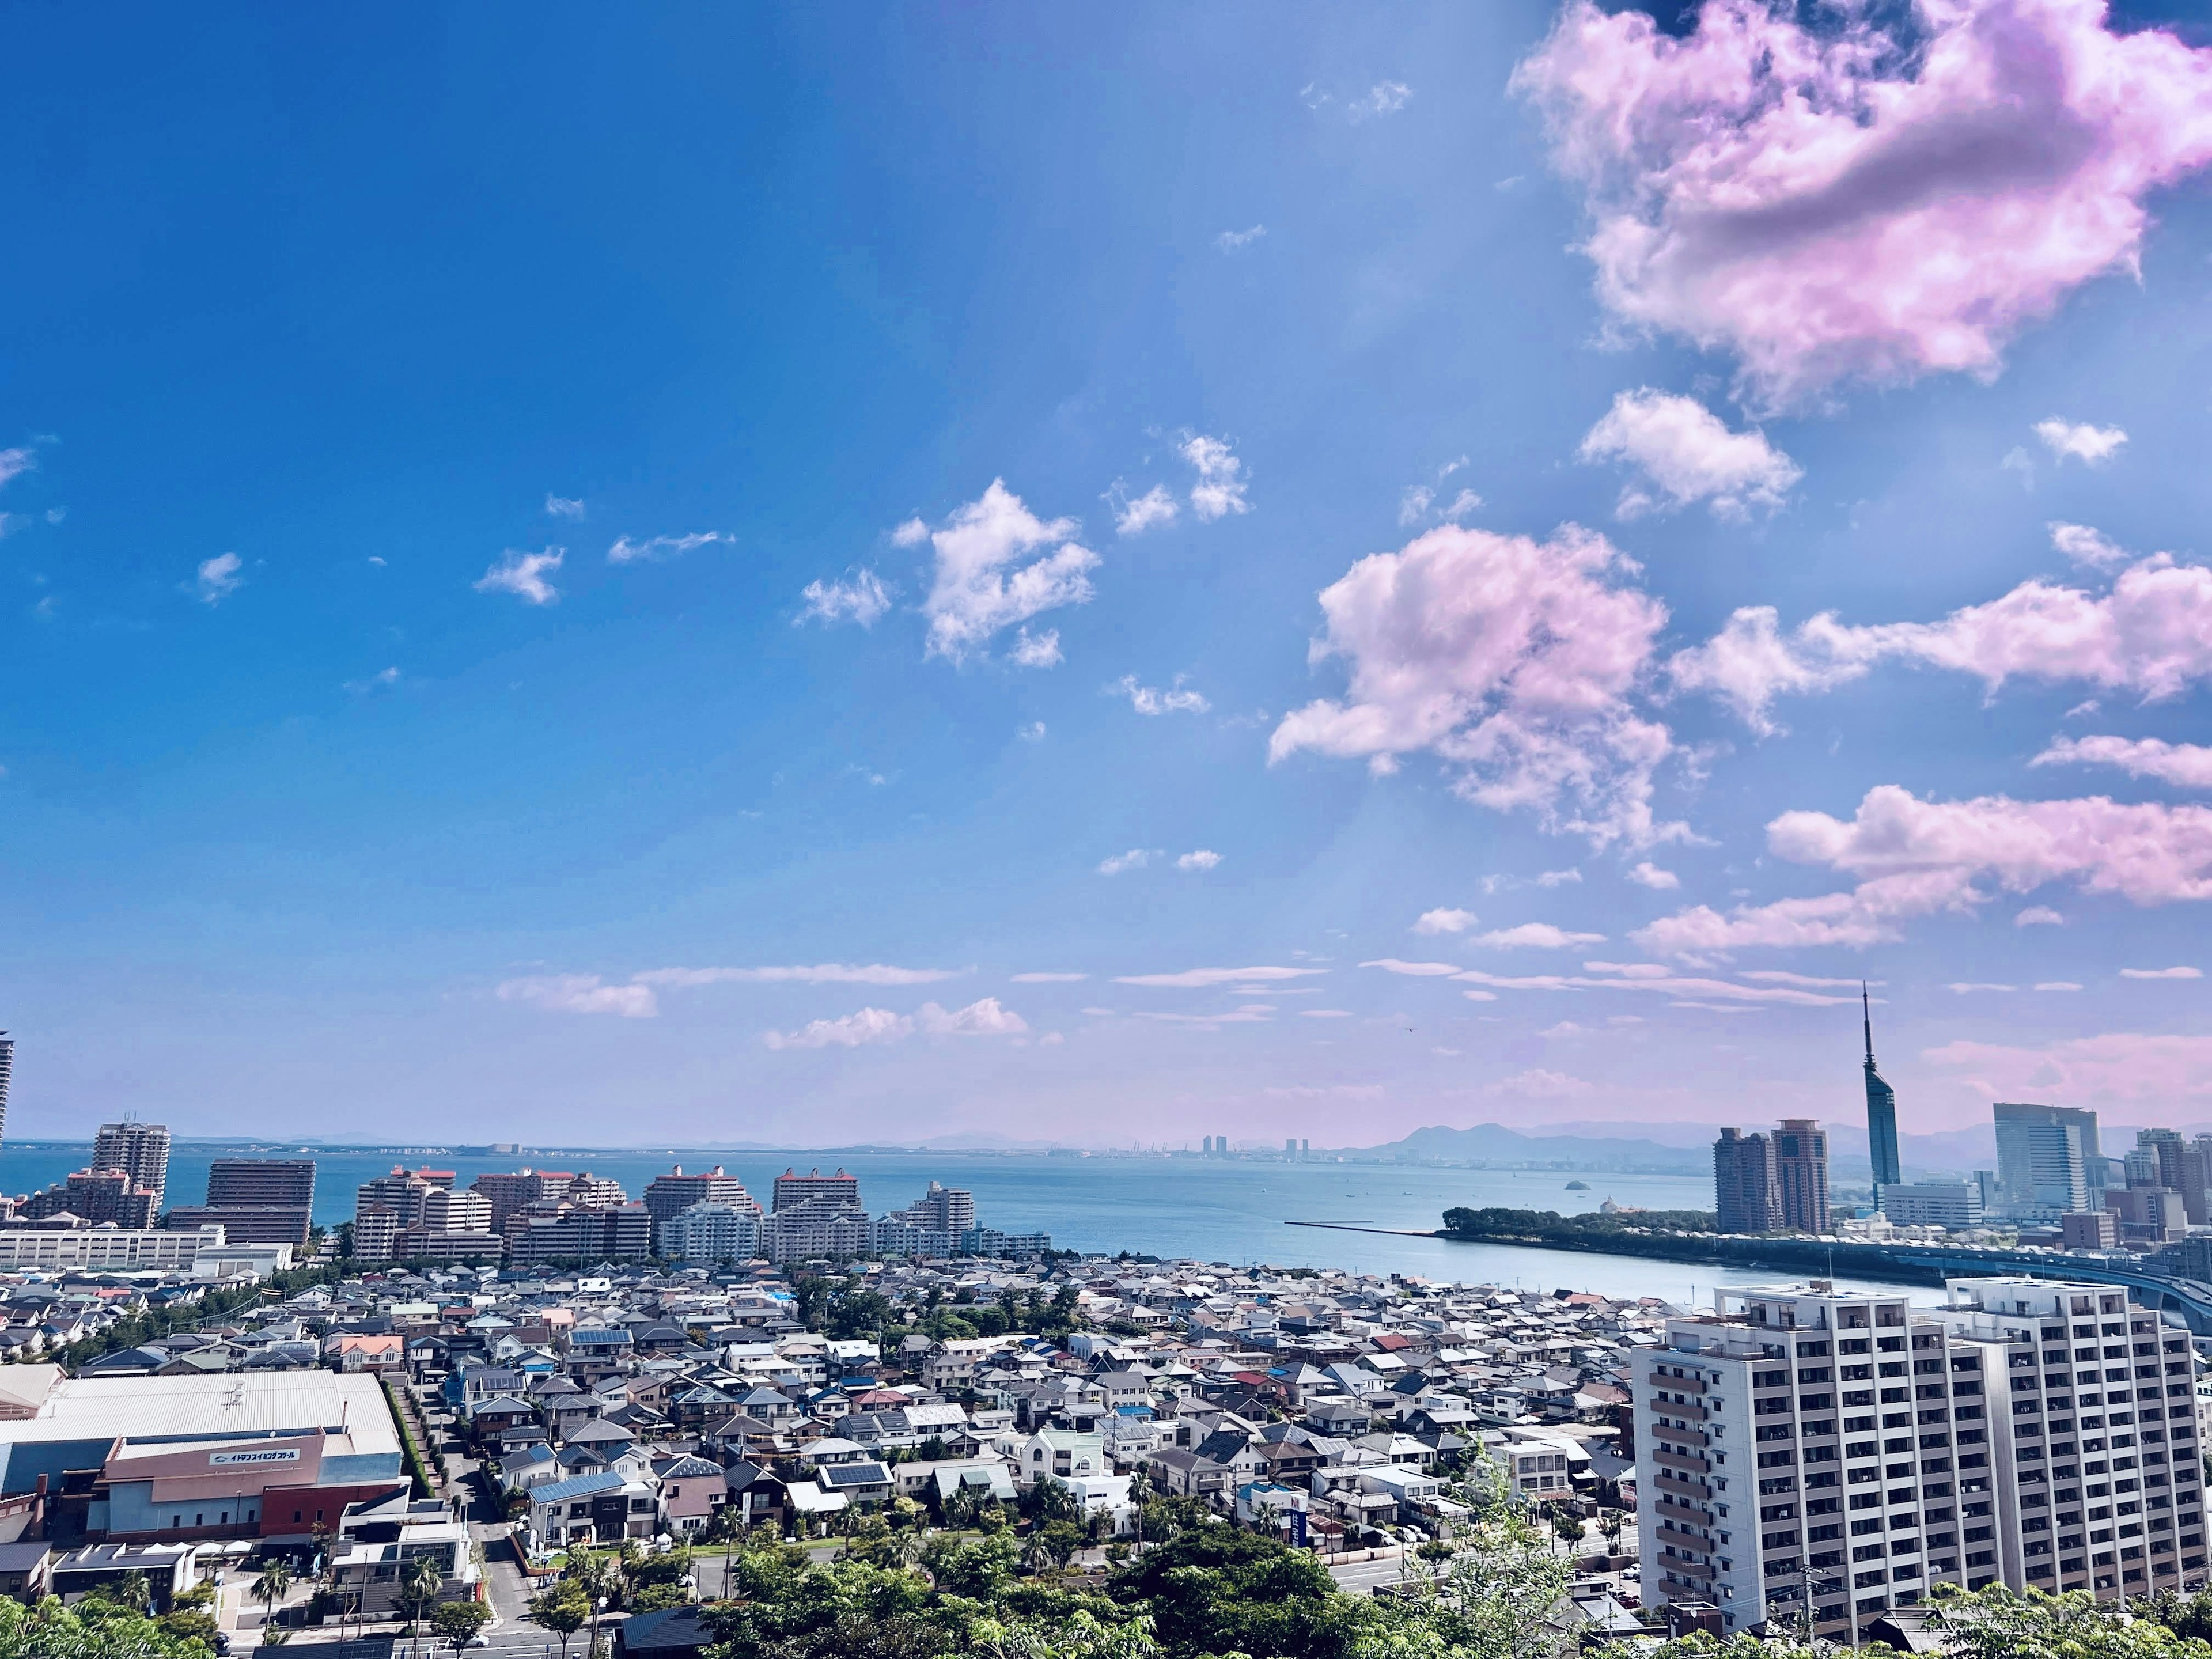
[{"x": 1687, "y": 1148}]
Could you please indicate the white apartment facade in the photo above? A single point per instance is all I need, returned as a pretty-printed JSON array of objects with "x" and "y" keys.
[{"x": 1848, "y": 1452}]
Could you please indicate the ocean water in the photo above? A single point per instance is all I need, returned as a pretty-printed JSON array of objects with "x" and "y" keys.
[{"x": 1233, "y": 1210}]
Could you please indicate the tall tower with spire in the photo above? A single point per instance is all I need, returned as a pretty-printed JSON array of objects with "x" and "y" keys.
[{"x": 1882, "y": 1113}]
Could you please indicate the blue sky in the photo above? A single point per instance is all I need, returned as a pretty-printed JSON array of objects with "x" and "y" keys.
[{"x": 314, "y": 821}]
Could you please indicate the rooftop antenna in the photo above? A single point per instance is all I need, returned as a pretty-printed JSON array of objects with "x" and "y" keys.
[{"x": 1866, "y": 1010}]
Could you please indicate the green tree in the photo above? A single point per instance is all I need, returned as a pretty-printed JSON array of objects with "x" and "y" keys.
[
  {"x": 457, "y": 1622},
  {"x": 1997, "y": 1623},
  {"x": 1218, "y": 1589},
  {"x": 562, "y": 1610}
]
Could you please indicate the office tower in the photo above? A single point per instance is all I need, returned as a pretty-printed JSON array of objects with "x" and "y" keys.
[
  {"x": 1290, "y": 1151},
  {"x": 1745, "y": 1197},
  {"x": 2180, "y": 1167},
  {"x": 2141, "y": 1165},
  {"x": 2041, "y": 1160},
  {"x": 140, "y": 1150},
  {"x": 1801, "y": 1175},
  {"x": 1881, "y": 1114},
  {"x": 669, "y": 1196},
  {"x": 7, "y": 1071},
  {"x": 793, "y": 1188},
  {"x": 1879, "y": 1450}
]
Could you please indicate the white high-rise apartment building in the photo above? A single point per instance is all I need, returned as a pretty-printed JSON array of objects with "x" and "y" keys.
[
  {"x": 1847, "y": 1452},
  {"x": 140, "y": 1150}
]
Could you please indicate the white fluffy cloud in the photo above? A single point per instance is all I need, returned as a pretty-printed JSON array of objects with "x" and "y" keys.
[
  {"x": 1135, "y": 859},
  {"x": 2085, "y": 546},
  {"x": 2186, "y": 765},
  {"x": 1236, "y": 242},
  {"x": 1204, "y": 858},
  {"x": 1914, "y": 858},
  {"x": 860, "y": 598},
  {"x": 1867, "y": 192},
  {"x": 524, "y": 575},
  {"x": 1035, "y": 650},
  {"x": 1134, "y": 515},
  {"x": 1383, "y": 97},
  {"x": 1685, "y": 453},
  {"x": 880, "y": 1025},
  {"x": 1536, "y": 935},
  {"x": 2038, "y": 915},
  {"x": 1221, "y": 484},
  {"x": 986, "y": 580},
  {"x": 2093, "y": 445},
  {"x": 1648, "y": 874},
  {"x": 1514, "y": 661},
  {"x": 218, "y": 578},
  {"x": 1151, "y": 700},
  {"x": 580, "y": 993},
  {"x": 1445, "y": 921},
  {"x": 626, "y": 551},
  {"x": 2151, "y": 634},
  {"x": 563, "y": 507},
  {"x": 2161, "y": 973}
]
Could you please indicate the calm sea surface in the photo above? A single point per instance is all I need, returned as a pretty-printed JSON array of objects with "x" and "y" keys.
[{"x": 1213, "y": 1210}]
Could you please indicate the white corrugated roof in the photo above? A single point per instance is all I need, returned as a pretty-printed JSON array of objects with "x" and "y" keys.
[{"x": 191, "y": 1407}]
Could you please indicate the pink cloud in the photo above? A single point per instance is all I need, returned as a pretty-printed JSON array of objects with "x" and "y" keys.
[
  {"x": 2188, "y": 764},
  {"x": 1851, "y": 203},
  {"x": 2151, "y": 634},
  {"x": 1916, "y": 857},
  {"x": 2119, "y": 1068},
  {"x": 1514, "y": 661}
]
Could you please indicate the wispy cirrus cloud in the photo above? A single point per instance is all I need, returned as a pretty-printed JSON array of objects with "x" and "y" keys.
[
  {"x": 2186, "y": 765},
  {"x": 626, "y": 551},
  {"x": 1536, "y": 935},
  {"x": 1200, "y": 978},
  {"x": 563, "y": 507},
  {"x": 1151, "y": 700},
  {"x": 860, "y": 596},
  {"x": 820, "y": 973},
  {"x": 1236, "y": 242},
  {"x": 524, "y": 575},
  {"x": 2161, "y": 973},
  {"x": 580, "y": 993}
]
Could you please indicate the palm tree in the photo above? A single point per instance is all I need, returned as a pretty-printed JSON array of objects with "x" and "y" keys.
[
  {"x": 418, "y": 1593},
  {"x": 131, "y": 1591},
  {"x": 270, "y": 1589}
]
